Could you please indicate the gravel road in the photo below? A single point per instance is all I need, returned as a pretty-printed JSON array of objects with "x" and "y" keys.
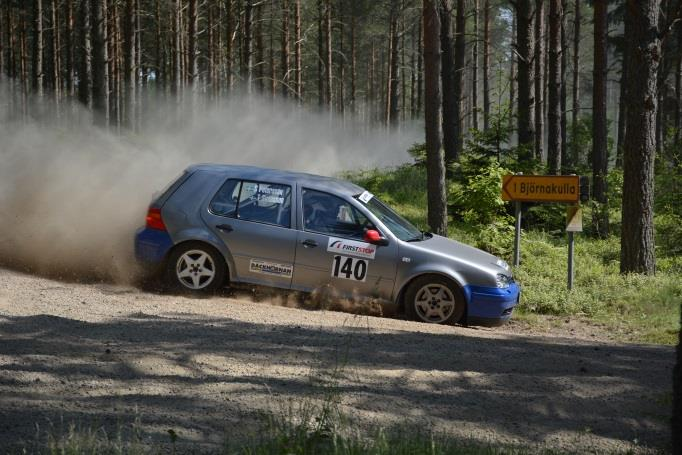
[{"x": 98, "y": 354}]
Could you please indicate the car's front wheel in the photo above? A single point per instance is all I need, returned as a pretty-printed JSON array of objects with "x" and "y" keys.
[
  {"x": 196, "y": 268},
  {"x": 434, "y": 299}
]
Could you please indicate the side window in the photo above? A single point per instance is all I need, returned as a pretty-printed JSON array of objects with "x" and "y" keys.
[
  {"x": 265, "y": 203},
  {"x": 327, "y": 214},
  {"x": 224, "y": 203}
]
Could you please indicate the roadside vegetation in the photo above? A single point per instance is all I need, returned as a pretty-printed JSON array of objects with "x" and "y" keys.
[{"x": 630, "y": 307}]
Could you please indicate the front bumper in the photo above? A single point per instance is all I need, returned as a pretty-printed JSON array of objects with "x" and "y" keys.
[
  {"x": 491, "y": 305},
  {"x": 152, "y": 245}
]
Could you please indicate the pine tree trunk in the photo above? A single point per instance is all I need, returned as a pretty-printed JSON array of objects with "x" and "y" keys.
[
  {"x": 678, "y": 90},
  {"x": 320, "y": 54},
  {"x": 460, "y": 54},
  {"x": 211, "y": 76},
  {"x": 403, "y": 64},
  {"x": 85, "y": 63},
  {"x": 538, "y": 57},
  {"x": 448, "y": 74},
  {"x": 599, "y": 125},
  {"x": 100, "y": 67},
  {"x": 563, "y": 89},
  {"x": 474, "y": 70},
  {"x": 229, "y": 40},
  {"x": 513, "y": 73},
  {"x": 69, "y": 49},
  {"x": 177, "y": 52},
  {"x": 247, "y": 47},
  {"x": 298, "y": 56},
  {"x": 259, "y": 51},
  {"x": 575, "y": 107},
  {"x": 413, "y": 78},
  {"x": 284, "y": 59},
  {"x": 192, "y": 49},
  {"x": 524, "y": 33},
  {"x": 328, "y": 55},
  {"x": 486, "y": 64},
  {"x": 393, "y": 109},
  {"x": 129, "y": 63},
  {"x": 643, "y": 43},
  {"x": 10, "y": 67},
  {"x": 113, "y": 42},
  {"x": 435, "y": 166},
  {"x": 353, "y": 62},
  {"x": 55, "y": 51},
  {"x": 420, "y": 65},
  {"x": 37, "y": 67},
  {"x": 341, "y": 85},
  {"x": 554, "y": 89}
]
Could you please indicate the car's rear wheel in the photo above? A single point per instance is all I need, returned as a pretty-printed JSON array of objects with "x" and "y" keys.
[
  {"x": 434, "y": 299},
  {"x": 196, "y": 268}
]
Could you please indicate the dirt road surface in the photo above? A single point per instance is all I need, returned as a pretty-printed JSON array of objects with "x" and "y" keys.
[{"x": 99, "y": 354}]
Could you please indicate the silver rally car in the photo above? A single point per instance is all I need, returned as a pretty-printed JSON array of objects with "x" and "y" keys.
[{"x": 219, "y": 223}]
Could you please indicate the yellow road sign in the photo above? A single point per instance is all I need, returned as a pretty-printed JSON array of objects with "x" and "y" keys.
[{"x": 541, "y": 188}]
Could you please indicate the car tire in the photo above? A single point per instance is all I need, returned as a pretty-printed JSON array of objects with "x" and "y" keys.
[
  {"x": 195, "y": 268},
  {"x": 434, "y": 299}
]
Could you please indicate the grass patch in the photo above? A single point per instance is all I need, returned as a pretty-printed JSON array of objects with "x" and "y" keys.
[{"x": 638, "y": 308}]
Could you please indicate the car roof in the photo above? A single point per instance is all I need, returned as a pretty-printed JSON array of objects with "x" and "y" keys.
[{"x": 312, "y": 181}]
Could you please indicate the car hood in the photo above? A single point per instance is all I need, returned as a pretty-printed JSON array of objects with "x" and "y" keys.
[{"x": 458, "y": 252}]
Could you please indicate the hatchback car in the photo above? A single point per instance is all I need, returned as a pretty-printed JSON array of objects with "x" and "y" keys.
[{"x": 218, "y": 223}]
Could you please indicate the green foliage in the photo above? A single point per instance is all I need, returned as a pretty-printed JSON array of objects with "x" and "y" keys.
[
  {"x": 668, "y": 229},
  {"x": 475, "y": 193},
  {"x": 496, "y": 237},
  {"x": 641, "y": 307},
  {"x": 668, "y": 188},
  {"x": 579, "y": 144},
  {"x": 418, "y": 153},
  {"x": 493, "y": 142}
]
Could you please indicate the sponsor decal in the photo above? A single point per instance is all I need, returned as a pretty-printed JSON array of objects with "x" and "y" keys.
[
  {"x": 271, "y": 268},
  {"x": 352, "y": 247},
  {"x": 365, "y": 197}
]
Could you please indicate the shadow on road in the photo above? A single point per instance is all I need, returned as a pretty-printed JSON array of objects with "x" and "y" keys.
[{"x": 205, "y": 376}]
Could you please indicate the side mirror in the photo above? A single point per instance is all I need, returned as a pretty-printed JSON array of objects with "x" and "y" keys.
[{"x": 374, "y": 237}]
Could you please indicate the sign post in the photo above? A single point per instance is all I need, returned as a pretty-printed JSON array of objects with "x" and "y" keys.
[
  {"x": 521, "y": 188},
  {"x": 517, "y": 234},
  {"x": 574, "y": 223}
]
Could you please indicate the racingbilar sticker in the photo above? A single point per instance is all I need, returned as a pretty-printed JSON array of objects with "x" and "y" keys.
[
  {"x": 365, "y": 197},
  {"x": 351, "y": 247}
]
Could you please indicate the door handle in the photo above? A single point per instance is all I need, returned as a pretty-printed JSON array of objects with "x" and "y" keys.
[
  {"x": 225, "y": 227},
  {"x": 309, "y": 243}
]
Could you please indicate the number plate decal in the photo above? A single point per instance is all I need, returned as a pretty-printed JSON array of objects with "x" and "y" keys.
[{"x": 349, "y": 268}]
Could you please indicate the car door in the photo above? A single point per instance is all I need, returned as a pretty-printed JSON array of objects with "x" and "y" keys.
[
  {"x": 330, "y": 249},
  {"x": 253, "y": 219}
]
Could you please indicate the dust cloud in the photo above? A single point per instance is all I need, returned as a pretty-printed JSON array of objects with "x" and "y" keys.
[{"x": 72, "y": 195}]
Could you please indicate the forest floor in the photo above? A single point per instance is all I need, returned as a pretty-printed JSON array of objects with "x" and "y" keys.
[{"x": 112, "y": 357}]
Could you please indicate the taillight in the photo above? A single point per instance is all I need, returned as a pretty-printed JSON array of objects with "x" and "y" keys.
[{"x": 154, "y": 220}]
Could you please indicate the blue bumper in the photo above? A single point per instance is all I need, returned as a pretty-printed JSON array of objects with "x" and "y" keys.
[
  {"x": 152, "y": 245},
  {"x": 491, "y": 305}
]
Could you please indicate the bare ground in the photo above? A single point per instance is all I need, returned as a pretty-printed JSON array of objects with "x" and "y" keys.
[{"x": 98, "y": 354}]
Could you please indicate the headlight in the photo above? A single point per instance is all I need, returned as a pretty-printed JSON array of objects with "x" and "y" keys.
[
  {"x": 503, "y": 281},
  {"x": 503, "y": 264}
]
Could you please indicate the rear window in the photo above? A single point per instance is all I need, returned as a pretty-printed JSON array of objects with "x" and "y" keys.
[
  {"x": 160, "y": 197},
  {"x": 260, "y": 202}
]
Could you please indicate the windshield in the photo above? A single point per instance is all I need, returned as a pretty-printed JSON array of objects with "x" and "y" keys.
[{"x": 398, "y": 225}]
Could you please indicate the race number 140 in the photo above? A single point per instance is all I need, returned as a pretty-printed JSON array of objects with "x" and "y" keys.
[{"x": 349, "y": 268}]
